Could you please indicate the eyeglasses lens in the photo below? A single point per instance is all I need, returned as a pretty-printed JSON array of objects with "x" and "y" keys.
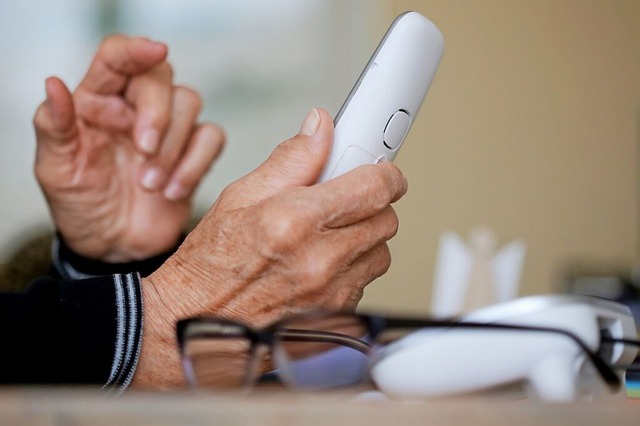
[
  {"x": 323, "y": 352},
  {"x": 221, "y": 363}
]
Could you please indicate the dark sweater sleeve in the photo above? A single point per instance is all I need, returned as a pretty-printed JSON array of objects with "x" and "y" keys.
[{"x": 74, "y": 332}]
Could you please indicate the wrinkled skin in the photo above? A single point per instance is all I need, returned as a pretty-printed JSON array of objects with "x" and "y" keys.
[
  {"x": 118, "y": 160},
  {"x": 274, "y": 244}
]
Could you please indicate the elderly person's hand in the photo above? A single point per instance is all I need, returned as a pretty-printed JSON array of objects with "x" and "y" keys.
[
  {"x": 119, "y": 159},
  {"x": 274, "y": 244}
]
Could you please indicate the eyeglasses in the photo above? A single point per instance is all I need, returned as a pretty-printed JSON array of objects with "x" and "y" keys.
[{"x": 333, "y": 350}]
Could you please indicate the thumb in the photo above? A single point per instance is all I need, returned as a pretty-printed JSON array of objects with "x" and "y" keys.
[
  {"x": 56, "y": 134},
  {"x": 297, "y": 161},
  {"x": 54, "y": 120}
]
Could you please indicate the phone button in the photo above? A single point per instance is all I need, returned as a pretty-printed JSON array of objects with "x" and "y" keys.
[{"x": 396, "y": 129}]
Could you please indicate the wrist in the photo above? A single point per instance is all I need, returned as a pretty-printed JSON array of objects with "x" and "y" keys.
[
  {"x": 159, "y": 366},
  {"x": 73, "y": 265},
  {"x": 170, "y": 293}
]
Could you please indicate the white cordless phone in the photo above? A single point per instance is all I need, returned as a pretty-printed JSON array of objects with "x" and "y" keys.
[{"x": 378, "y": 113}]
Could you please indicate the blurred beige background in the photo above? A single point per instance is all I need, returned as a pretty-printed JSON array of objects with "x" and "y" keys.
[{"x": 531, "y": 127}]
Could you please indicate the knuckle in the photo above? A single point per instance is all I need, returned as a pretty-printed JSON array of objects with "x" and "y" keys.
[
  {"x": 397, "y": 180},
  {"x": 354, "y": 297},
  {"x": 38, "y": 120},
  {"x": 377, "y": 186},
  {"x": 389, "y": 181},
  {"x": 286, "y": 224},
  {"x": 166, "y": 69},
  {"x": 189, "y": 96},
  {"x": 288, "y": 152},
  {"x": 230, "y": 191},
  {"x": 377, "y": 263},
  {"x": 346, "y": 298},
  {"x": 392, "y": 222},
  {"x": 38, "y": 171},
  {"x": 351, "y": 297},
  {"x": 110, "y": 41},
  {"x": 281, "y": 230},
  {"x": 315, "y": 273},
  {"x": 384, "y": 259}
]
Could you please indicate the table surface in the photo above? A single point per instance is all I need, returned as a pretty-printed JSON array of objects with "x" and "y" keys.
[{"x": 25, "y": 406}]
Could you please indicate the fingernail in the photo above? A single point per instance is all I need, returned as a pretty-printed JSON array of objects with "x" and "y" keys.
[
  {"x": 311, "y": 123},
  {"x": 152, "y": 179},
  {"x": 149, "y": 141},
  {"x": 175, "y": 192}
]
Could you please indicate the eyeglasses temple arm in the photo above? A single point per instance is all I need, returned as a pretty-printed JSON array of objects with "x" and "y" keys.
[{"x": 317, "y": 336}]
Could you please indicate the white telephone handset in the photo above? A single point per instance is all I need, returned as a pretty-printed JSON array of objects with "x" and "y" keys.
[{"x": 378, "y": 113}]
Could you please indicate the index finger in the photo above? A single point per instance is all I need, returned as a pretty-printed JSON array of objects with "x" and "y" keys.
[
  {"x": 118, "y": 58},
  {"x": 359, "y": 194}
]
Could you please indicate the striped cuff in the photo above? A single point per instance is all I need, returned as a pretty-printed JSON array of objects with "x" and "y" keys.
[
  {"x": 78, "y": 331},
  {"x": 129, "y": 326}
]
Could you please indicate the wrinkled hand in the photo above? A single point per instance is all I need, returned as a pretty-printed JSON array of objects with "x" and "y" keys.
[
  {"x": 274, "y": 244},
  {"x": 118, "y": 160}
]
